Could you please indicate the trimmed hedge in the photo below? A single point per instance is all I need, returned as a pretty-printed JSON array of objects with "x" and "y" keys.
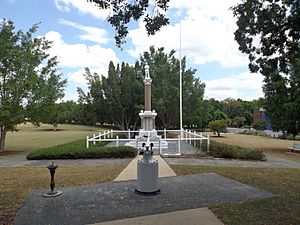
[
  {"x": 220, "y": 150},
  {"x": 77, "y": 150}
]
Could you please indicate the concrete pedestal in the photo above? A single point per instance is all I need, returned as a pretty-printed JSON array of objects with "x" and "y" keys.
[{"x": 147, "y": 177}]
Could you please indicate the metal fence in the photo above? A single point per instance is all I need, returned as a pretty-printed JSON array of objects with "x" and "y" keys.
[{"x": 171, "y": 136}]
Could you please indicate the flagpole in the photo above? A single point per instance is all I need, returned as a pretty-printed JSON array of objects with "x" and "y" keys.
[{"x": 180, "y": 82}]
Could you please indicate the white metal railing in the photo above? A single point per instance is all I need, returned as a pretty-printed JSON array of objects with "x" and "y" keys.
[{"x": 188, "y": 136}]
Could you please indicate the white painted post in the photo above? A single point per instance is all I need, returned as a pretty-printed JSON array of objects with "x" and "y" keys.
[
  {"x": 94, "y": 137},
  {"x": 87, "y": 141},
  {"x": 208, "y": 143},
  {"x": 185, "y": 135},
  {"x": 99, "y": 135},
  {"x": 179, "y": 145},
  {"x": 190, "y": 136},
  {"x": 194, "y": 139},
  {"x": 128, "y": 133},
  {"x": 117, "y": 141},
  {"x": 165, "y": 133},
  {"x": 201, "y": 134},
  {"x": 159, "y": 145},
  {"x": 111, "y": 133},
  {"x": 104, "y": 134}
]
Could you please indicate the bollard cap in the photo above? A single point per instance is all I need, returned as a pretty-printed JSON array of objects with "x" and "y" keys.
[{"x": 52, "y": 166}]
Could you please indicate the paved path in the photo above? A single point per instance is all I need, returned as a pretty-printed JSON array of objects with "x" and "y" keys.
[
  {"x": 272, "y": 162},
  {"x": 200, "y": 216},
  {"x": 90, "y": 204},
  {"x": 130, "y": 172}
]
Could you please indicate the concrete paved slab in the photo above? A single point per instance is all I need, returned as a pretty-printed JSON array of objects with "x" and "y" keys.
[
  {"x": 117, "y": 200},
  {"x": 200, "y": 216},
  {"x": 130, "y": 172}
]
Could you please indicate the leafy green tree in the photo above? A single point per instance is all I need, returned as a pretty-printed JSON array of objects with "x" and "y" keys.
[
  {"x": 268, "y": 31},
  {"x": 118, "y": 98},
  {"x": 91, "y": 103},
  {"x": 164, "y": 71},
  {"x": 123, "y": 11},
  {"x": 115, "y": 99},
  {"x": 29, "y": 80},
  {"x": 64, "y": 112},
  {"x": 219, "y": 115},
  {"x": 239, "y": 120},
  {"x": 218, "y": 126},
  {"x": 123, "y": 89}
]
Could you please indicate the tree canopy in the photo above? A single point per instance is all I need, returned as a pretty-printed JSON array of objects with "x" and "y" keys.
[
  {"x": 123, "y": 11},
  {"x": 119, "y": 96},
  {"x": 30, "y": 83},
  {"x": 269, "y": 32}
]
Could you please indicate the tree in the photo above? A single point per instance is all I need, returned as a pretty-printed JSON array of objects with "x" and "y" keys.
[
  {"x": 239, "y": 120},
  {"x": 218, "y": 126},
  {"x": 64, "y": 112},
  {"x": 29, "y": 80},
  {"x": 219, "y": 115},
  {"x": 268, "y": 31},
  {"x": 123, "y": 11},
  {"x": 115, "y": 99},
  {"x": 118, "y": 98},
  {"x": 164, "y": 71},
  {"x": 259, "y": 125}
]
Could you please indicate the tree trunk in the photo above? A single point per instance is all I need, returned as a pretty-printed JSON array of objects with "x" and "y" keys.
[{"x": 2, "y": 138}]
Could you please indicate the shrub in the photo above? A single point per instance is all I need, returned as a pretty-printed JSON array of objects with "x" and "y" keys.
[
  {"x": 259, "y": 125},
  {"x": 218, "y": 126},
  {"x": 221, "y": 150},
  {"x": 77, "y": 150},
  {"x": 290, "y": 137}
]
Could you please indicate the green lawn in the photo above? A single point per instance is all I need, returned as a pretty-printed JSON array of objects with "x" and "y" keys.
[
  {"x": 270, "y": 146},
  {"x": 29, "y": 137},
  {"x": 283, "y": 209}
]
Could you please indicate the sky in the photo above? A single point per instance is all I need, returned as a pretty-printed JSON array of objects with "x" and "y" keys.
[{"x": 82, "y": 37}]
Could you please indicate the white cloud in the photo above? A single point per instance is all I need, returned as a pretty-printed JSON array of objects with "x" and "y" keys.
[
  {"x": 83, "y": 6},
  {"x": 91, "y": 33},
  {"x": 78, "y": 77},
  {"x": 79, "y": 55},
  {"x": 206, "y": 31},
  {"x": 246, "y": 86},
  {"x": 70, "y": 96}
]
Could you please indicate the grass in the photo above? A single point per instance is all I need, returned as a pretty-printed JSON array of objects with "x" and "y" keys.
[
  {"x": 78, "y": 150},
  {"x": 17, "y": 183},
  {"x": 29, "y": 138},
  {"x": 284, "y": 208},
  {"x": 270, "y": 146}
]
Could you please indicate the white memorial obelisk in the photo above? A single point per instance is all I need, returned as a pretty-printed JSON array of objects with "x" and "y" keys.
[{"x": 147, "y": 116}]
